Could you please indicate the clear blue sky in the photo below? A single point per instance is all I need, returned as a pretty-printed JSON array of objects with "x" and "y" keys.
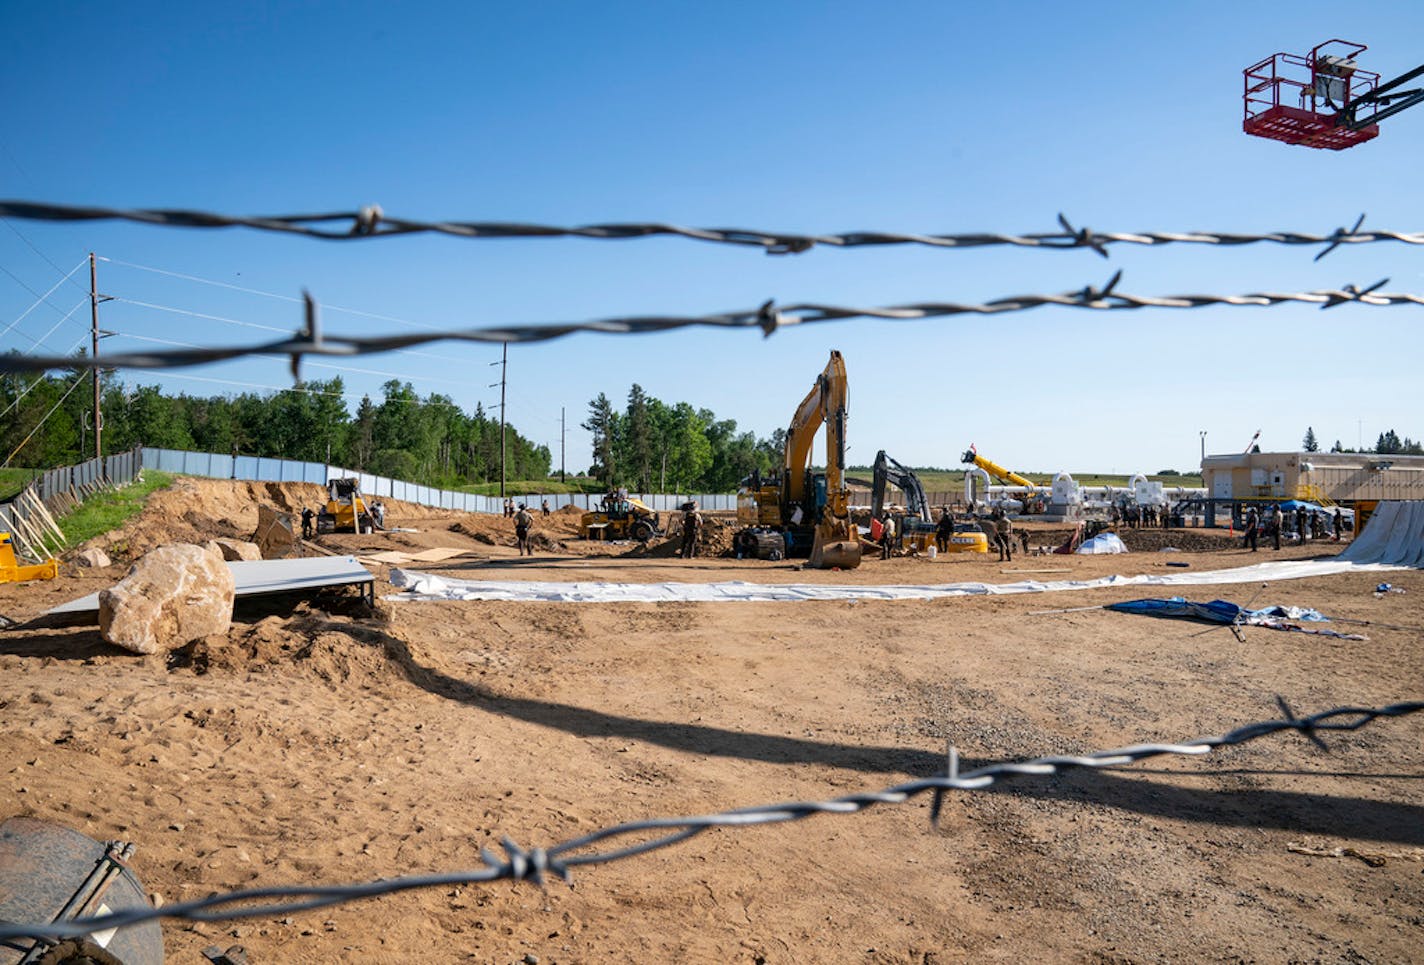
[{"x": 816, "y": 117}]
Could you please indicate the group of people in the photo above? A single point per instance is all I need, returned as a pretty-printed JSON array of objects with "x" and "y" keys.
[
  {"x": 1134, "y": 516},
  {"x": 1308, "y": 524}
]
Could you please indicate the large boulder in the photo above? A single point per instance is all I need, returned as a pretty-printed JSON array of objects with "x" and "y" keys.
[
  {"x": 172, "y": 596},
  {"x": 234, "y": 549}
]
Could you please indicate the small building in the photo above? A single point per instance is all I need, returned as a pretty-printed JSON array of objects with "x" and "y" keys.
[{"x": 1332, "y": 477}]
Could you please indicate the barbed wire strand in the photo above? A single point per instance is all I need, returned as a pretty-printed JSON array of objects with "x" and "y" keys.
[
  {"x": 372, "y": 222},
  {"x": 535, "y": 864},
  {"x": 768, "y": 318}
]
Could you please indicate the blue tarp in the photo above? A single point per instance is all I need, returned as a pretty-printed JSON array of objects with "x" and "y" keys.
[{"x": 1217, "y": 611}]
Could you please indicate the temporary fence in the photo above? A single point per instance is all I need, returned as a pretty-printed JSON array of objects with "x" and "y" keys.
[
  {"x": 268, "y": 469},
  {"x": 28, "y": 516}
]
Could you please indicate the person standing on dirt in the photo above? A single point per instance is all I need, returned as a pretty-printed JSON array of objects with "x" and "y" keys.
[
  {"x": 1253, "y": 523},
  {"x": 1003, "y": 532},
  {"x": 522, "y": 521},
  {"x": 944, "y": 531},
  {"x": 378, "y": 513},
  {"x": 1339, "y": 524},
  {"x": 887, "y": 535},
  {"x": 308, "y": 519},
  {"x": 1277, "y": 523},
  {"x": 545, "y": 507},
  {"x": 1023, "y": 539},
  {"x": 1300, "y": 525},
  {"x": 691, "y": 529}
]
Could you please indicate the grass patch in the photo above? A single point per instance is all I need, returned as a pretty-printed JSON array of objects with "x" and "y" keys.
[
  {"x": 14, "y": 480},
  {"x": 109, "y": 511}
]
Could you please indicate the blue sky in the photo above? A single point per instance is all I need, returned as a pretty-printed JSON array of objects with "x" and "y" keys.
[{"x": 815, "y": 117}]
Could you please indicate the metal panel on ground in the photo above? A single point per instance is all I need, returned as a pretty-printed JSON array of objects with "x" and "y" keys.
[{"x": 263, "y": 577}]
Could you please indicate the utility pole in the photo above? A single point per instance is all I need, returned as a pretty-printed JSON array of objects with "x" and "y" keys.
[
  {"x": 94, "y": 340},
  {"x": 563, "y": 431},
  {"x": 503, "y": 364}
]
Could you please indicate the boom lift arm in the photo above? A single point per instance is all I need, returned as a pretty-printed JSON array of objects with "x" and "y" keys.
[{"x": 972, "y": 456}]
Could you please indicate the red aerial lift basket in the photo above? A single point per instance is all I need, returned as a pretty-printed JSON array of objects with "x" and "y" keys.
[{"x": 1298, "y": 99}]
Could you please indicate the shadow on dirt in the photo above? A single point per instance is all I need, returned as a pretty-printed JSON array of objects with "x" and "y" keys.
[{"x": 1305, "y": 813}]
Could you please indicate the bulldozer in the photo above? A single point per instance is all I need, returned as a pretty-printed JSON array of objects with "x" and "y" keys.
[
  {"x": 346, "y": 510},
  {"x": 620, "y": 517},
  {"x": 800, "y": 512}
]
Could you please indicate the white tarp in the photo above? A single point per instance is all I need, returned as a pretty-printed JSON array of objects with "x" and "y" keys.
[
  {"x": 426, "y": 586},
  {"x": 1102, "y": 543},
  {"x": 1394, "y": 534},
  {"x": 1392, "y": 540}
]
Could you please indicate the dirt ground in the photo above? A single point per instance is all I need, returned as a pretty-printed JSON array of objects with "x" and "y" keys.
[{"x": 321, "y": 743}]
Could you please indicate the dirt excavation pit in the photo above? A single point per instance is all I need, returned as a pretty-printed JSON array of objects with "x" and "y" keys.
[{"x": 317, "y": 743}]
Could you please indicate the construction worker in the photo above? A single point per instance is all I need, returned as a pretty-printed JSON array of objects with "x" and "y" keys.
[
  {"x": 378, "y": 513},
  {"x": 691, "y": 529},
  {"x": 308, "y": 519},
  {"x": 522, "y": 521},
  {"x": 546, "y": 508},
  {"x": 1003, "y": 533},
  {"x": 887, "y": 535},
  {"x": 944, "y": 530},
  {"x": 1253, "y": 523},
  {"x": 1277, "y": 523},
  {"x": 1338, "y": 524}
]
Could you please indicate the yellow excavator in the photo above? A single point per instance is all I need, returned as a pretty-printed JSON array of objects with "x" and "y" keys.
[{"x": 800, "y": 512}]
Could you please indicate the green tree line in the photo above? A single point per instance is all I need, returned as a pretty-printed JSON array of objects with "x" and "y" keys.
[
  {"x": 46, "y": 420},
  {"x": 653, "y": 446}
]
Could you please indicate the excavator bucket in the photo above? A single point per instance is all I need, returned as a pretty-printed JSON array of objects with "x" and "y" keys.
[{"x": 834, "y": 548}]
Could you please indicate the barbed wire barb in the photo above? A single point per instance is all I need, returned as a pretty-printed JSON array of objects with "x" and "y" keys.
[
  {"x": 767, "y": 318},
  {"x": 370, "y": 221},
  {"x": 520, "y": 864}
]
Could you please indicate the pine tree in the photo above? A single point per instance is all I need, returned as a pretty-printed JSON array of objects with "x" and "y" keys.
[
  {"x": 603, "y": 423},
  {"x": 1308, "y": 443}
]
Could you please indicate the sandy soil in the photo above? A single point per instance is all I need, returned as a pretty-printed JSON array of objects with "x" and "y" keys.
[{"x": 320, "y": 743}]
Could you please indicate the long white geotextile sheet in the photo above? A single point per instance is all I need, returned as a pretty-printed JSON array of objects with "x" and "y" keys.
[{"x": 426, "y": 586}]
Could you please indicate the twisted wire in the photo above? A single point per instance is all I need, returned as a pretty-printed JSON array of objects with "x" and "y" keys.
[
  {"x": 536, "y": 864},
  {"x": 372, "y": 222},
  {"x": 768, "y": 318}
]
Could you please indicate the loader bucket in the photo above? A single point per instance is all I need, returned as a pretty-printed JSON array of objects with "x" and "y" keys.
[{"x": 833, "y": 548}]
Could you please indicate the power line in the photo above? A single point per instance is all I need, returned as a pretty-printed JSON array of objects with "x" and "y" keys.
[
  {"x": 78, "y": 380},
  {"x": 266, "y": 294},
  {"x": 768, "y": 318},
  {"x": 38, "y": 297},
  {"x": 31, "y": 245},
  {"x": 519, "y": 864},
  {"x": 372, "y": 222},
  {"x": 80, "y": 341}
]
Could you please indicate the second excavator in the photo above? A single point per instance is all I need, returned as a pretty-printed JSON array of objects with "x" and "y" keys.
[{"x": 800, "y": 512}]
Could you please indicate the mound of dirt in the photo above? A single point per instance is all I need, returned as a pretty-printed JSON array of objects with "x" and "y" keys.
[
  {"x": 714, "y": 540},
  {"x": 196, "y": 510}
]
